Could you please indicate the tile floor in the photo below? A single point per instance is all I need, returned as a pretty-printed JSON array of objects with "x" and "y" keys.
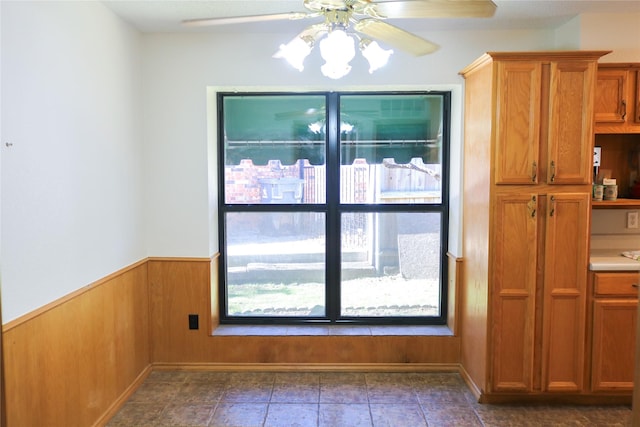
[{"x": 340, "y": 399}]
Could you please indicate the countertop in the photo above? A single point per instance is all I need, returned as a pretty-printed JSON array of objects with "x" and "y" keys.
[
  {"x": 611, "y": 260},
  {"x": 606, "y": 252}
]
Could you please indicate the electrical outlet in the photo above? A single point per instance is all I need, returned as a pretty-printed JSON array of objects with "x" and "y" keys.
[
  {"x": 194, "y": 321},
  {"x": 597, "y": 151},
  {"x": 632, "y": 219}
]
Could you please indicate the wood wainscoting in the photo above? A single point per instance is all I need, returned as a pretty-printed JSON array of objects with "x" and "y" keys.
[
  {"x": 75, "y": 361},
  {"x": 72, "y": 361},
  {"x": 178, "y": 288}
]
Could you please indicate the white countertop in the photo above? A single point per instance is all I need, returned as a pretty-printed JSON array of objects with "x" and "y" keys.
[
  {"x": 611, "y": 260},
  {"x": 606, "y": 252}
]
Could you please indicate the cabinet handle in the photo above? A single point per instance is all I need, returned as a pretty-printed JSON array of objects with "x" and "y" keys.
[
  {"x": 623, "y": 104},
  {"x": 553, "y": 206},
  {"x": 532, "y": 206},
  {"x": 553, "y": 171},
  {"x": 534, "y": 172},
  {"x": 635, "y": 285}
]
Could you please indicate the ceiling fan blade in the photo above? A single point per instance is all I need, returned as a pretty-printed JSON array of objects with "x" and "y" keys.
[
  {"x": 435, "y": 8},
  {"x": 244, "y": 19},
  {"x": 395, "y": 37}
]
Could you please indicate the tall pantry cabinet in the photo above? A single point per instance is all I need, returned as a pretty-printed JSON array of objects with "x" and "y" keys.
[{"x": 528, "y": 149}]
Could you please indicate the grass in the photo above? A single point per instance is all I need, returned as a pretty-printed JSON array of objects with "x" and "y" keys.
[{"x": 371, "y": 296}]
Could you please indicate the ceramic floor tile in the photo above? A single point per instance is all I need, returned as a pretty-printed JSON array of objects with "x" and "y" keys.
[
  {"x": 154, "y": 392},
  {"x": 387, "y": 378},
  {"x": 292, "y": 415},
  {"x": 252, "y": 378},
  {"x": 295, "y": 393},
  {"x": 352, "y": 378},
  {"x": 248, "y": 393},
  {"x": 617, "y": 416},
  {"x": 208, "y": 377},
  {"x": 136, "y": 414},
  {"x": 343, "y": 387},
  {"x": 394, "y": 415},
  {"x": 186, "y": 415},
  {"x": 239, "y": 415},
  {"x": 391, "y": 394},
  {"x": 296, "y": 387},
  {"x": 337, "y": 399},
  {"x": 200, "y": 392},
  {"x": 454, "y": 416},
  {"x": 436, "y": 398},
  {"x": 167, "y": 376},
  {"x": 352, "y": 415},
  {"x": 343, "y": 393}
]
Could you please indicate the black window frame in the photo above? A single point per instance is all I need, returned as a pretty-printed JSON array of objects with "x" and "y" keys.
[{"x": 333, "y": 210}]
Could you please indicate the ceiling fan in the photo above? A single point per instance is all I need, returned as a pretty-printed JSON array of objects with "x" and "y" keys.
[{"x": 367, "y": 18}]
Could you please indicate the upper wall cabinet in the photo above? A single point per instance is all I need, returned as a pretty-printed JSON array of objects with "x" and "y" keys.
[
  {"x": 617, "y": 105},
  {"x": 543, "y": 134}
]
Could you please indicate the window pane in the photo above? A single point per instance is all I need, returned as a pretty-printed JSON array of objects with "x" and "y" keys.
[
  {"x": 275, "y": 263},
  {"x": 391, "y": 148},
  {"x": 274, "y": 183},
  {"x": 390, "y": 264},
  {"x": 273, "y": 145}
]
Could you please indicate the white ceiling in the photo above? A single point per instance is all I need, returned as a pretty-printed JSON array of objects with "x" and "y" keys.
[{"x": 166, "y": 15}]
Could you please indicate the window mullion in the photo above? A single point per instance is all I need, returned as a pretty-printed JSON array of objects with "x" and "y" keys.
[{"x": 333, "y": 212}]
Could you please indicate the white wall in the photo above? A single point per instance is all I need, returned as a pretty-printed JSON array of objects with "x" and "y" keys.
[
  {"x": 112, "y": 134},
  {"x": 617, "y": 32},
  {"x": 180, "y": 67},
  {"x": 71, "y": 181}
]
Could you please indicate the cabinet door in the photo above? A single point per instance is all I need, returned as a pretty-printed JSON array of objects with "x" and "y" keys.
[
  {"x": 614, "y": 344},
  {"x": 513, "y": 294},
  {"x": 565, "y": 281},
  {"x": 611, "y": 89},
  {"x": 518, "y": 117},
  {"x": 570, "y": 144}
]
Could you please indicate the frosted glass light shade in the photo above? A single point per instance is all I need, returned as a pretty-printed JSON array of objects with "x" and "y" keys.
[
  {"x": 295, "y": 52},
  {"x": 337, "y": 49},
  {"x": 377, "y": 56}
]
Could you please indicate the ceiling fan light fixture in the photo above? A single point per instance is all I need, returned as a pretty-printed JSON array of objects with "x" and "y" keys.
[
  {"x": 337, "y": 49},
  {"x": 375, "y": 55},
  {"x": 296, "y": 51}
]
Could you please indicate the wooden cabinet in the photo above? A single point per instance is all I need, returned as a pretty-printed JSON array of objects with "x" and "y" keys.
[
  {"x": 568, "y": 158},
  {"x": 527, "y": 187},
  {"x": 614, "y": 318},
  {"x": 617, "y": 104},
  {"x": 523, "y": 223},
  {"x": 564, "y": 290},
  {"x": 514, "y": 281}
]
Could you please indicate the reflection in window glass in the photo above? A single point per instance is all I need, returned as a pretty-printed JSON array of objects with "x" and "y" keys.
[
  {"x": 274, "y": 149},
  {"x": 391, "y": 148},
  {"x": 275, "y": 264},
  {"x": 390, "y": 264}
]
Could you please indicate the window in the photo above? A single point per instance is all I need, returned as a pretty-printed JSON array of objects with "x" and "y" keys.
[{"x": 333, "y": 207}]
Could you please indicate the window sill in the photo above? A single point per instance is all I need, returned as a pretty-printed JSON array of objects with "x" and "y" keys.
[{"x": 330, "y": 330}]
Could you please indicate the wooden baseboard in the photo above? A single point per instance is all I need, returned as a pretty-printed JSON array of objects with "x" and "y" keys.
[
  {"x": 120, "y": 401},
  {"x": 310, "y": 367},
  {"x": 470, "y": 383}
]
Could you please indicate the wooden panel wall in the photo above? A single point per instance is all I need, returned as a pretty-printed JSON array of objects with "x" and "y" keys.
[
  {"x": 75, "y": 361},
  {"x": 70, "y": 362},
  {"x": 181, "y": 287},
  {"x": 474, "y": 286}
]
